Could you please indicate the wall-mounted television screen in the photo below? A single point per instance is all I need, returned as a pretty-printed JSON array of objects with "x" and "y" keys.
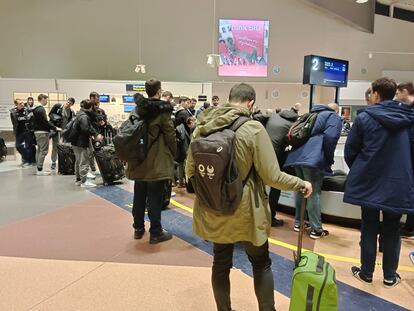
[
  {"x": 128, "y": 98},
  {"x": 325, "y": 71},
  {"x": 129, "y": 108},
  {"x": 243, "y": 47},
  {"x": 104, "y": 98}
]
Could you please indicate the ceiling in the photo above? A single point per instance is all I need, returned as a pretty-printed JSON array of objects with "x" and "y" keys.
[{"x": 402, "y": 4}]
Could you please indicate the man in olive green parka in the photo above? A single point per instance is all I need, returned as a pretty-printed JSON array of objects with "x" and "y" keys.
[{"x": 250, "y": 224}]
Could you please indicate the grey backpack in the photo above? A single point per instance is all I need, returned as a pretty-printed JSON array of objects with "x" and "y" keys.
[{"x": 216, "y": 182}]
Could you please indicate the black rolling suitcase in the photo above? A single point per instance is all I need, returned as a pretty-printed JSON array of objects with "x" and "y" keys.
[
  {"x": 111, "y": 167},
  {"x": 66, "y": 159}
]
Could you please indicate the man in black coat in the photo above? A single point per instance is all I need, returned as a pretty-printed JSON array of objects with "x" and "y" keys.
[{"x": 277, "y": 127}]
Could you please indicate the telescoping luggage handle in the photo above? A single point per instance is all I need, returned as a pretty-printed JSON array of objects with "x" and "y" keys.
[{"x": 298, "y": 254}]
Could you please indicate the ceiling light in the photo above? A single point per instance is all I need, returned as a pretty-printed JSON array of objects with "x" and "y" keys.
[
  {"x": 370, "y": 55},
  {"x": 140, "y": 68},
  {"x": 361, "y": 1}
]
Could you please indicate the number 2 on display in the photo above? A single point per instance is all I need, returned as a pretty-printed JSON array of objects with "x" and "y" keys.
[{"x": 315, "y": 64}]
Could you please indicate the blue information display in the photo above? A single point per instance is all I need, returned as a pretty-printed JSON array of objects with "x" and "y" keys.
[
  {"x": 128, "y": 98},
  {"x": 129, "y": 108},
  {"x": 319, "y": 70},
  {"x": 104, "y": 98}
]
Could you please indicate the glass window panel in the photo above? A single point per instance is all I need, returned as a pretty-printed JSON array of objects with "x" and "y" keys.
[
  {"x": 22, "y": 96},
  {"x": 53, "y": 96}
]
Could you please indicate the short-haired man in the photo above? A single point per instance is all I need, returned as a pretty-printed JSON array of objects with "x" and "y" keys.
[
  {"x": 19, "y": 116},
  {"x": 312, "y": 161},
  {"x": 405, "y": 94},
  {"x": 168, "y": 97},
  {"x": 191, "y": 109},
  {"x": 381, "y": 178},
  {"x": 205, "y": 106},
  {"x": 68, "y": 113},
  {"x": 30, "y": 102},
  {"x": 42, "y": 128},
  {"x": 81, "y": 144},
  {"x": 368, "y": 98},
  {"x": 157, "y": 169},
  {"x": 250, "y": 224},
  {"x": 182, "y": 114},
  {"x": 215, "y": 101},
  {"x": 278, "y": 127}
]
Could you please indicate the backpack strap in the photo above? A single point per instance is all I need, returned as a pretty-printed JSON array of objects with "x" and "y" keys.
[{"x": 238, "y": 123}]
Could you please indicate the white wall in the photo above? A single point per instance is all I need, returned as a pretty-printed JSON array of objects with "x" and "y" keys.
[{"x": 98, "y": 39}]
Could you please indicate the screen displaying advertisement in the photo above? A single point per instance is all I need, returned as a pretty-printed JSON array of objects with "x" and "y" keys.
[
  {"x": 129, "y": 108},
  {"x": 128, "y": 98},
  {"x": 104, "y": 98},
  {"x": 319, "y": 70},
  {"x": 243, "y": 47},
  {"x": 138, "y": 87}
]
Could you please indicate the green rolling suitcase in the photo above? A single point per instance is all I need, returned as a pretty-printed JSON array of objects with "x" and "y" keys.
[{"x": 314, "y": 282}]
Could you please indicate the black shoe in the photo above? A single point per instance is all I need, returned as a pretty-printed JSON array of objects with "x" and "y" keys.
[
  {"x": 277, "y": 222},
  {"x": 139, "y": 233},
  {"x": 162, "y": 237},
  {"x": 392, "y": 283},
  {"x": 53, "y": 166},
  {"x": 297, "y": 228},
  {"x": 317, "y": 234},
  {"x": 405, "y": 234},
  {"x": 356, "y": 271}
]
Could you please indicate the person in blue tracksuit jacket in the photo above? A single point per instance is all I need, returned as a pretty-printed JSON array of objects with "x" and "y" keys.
[
  {"x": 378, "y": 153},
  {"x": 313, "y": 160}
]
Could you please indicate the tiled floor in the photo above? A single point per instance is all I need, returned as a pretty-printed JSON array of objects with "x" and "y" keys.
[{"x": 65, "y": 248}]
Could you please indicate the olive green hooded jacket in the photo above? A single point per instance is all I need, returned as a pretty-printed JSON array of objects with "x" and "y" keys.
[{"x": 251, "y": 221}]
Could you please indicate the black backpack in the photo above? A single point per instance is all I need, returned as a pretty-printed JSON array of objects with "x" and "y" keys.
[
  {"x": 71, "y": 132},
  {"x": 301, "y": 130},
  {"x": 216, "y": 182},
  {"x": 3, "y": 149},
  {"x": 131, "y": 140}
]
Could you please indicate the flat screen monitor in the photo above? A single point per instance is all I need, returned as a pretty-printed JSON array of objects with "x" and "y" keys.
[
  {"x": 325, "y": 71},
  {"x": 128, "y": 98},
  {"x": 104, "y": 98},
  {"x": 129, "y": 108},
  {"x": 243, "y": 47}
]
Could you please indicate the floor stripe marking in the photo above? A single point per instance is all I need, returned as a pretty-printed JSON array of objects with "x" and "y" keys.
[{"x": 350, "y": 298}]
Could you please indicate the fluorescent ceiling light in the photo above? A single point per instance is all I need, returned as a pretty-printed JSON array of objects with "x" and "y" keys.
[{"x": 361, "y": 1}]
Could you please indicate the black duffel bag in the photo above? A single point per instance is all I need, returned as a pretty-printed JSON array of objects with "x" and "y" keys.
[{"x": 335, "y": 182}]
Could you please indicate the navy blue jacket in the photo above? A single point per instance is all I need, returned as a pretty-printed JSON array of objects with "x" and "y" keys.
[
  {"x": 318, "y": 152},
  {"x": 379, "y": 155}
]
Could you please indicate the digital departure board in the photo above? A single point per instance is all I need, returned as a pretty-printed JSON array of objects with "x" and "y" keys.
[{"x": 324, "y": 71}]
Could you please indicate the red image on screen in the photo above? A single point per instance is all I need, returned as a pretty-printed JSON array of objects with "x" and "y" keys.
[{"x": 243, "y": 48}]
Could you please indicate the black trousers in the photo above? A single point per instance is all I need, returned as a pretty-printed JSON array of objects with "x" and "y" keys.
[
  {"x": 262, "y": 274},
  {"x": 148, "y": 194},
  {"x": 274, "y": 196}
]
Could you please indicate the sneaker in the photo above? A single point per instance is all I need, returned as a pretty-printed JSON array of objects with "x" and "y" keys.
[
  {"x": 392, "y": 283},
  {"x": 90, "y": 176},
  {"x": 277, "y": 222},
  {"x": 405, "y": 234},
  {"x": 42, "y": 173},
  {"x": 317, "y": 234},
  {"x": 296, "y": 228},
  {"x": 162, "y": 237},
  {"x": 173, "y": 194},
  {"x": 356, "y": 271},
  {"x": 96, "y": 173},
  {"x": 24, "y": 165},
  {"x": 87, "y": 184},
  {"x": 78, "y": 182},
  {"x": 139, "y": 233},
  {"x": 53, "y": 167}
]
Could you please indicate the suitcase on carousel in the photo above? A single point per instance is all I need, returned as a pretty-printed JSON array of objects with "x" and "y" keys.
[
  {"x": 314, "y": 283},
  {"x": 66, "y": 159},
  {"x": 111, "y": 167}
]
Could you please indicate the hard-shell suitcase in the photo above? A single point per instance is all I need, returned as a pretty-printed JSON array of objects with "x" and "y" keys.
[
  {"x": 314, "y": 283},
  {"x": 111, "y": 167},
  {"x": 66, "y": 159}
]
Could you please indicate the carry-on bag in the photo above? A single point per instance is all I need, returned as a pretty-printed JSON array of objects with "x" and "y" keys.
[
  {"x": 66, "y": 159},
  {"x": 111, "y": 167},
  {"x": 314, "y": 284}
]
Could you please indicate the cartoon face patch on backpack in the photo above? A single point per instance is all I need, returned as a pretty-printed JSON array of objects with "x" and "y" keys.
[{"x": 217, "y": 183}]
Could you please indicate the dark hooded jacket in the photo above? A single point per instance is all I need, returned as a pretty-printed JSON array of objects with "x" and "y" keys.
[
  {"x": 318, "y": 152},
  {"x": 40, "y": 122},
  {"x": 277, "y": 127},
  {"x": 85, "y": 128},
  {"x": 379, "y": 155}
]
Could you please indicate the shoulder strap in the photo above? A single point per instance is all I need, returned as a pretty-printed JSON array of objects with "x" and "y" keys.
[{"x": 239, "y": 122}]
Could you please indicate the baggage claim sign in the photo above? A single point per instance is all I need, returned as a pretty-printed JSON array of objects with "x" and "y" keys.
[{"x": 243, "y": 48}]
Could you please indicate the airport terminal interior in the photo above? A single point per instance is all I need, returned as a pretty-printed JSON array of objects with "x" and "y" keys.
[{"x": 67, "y": 242}]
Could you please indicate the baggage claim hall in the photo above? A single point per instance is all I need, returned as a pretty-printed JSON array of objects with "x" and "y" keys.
[{"x": 207, "y": 155}]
